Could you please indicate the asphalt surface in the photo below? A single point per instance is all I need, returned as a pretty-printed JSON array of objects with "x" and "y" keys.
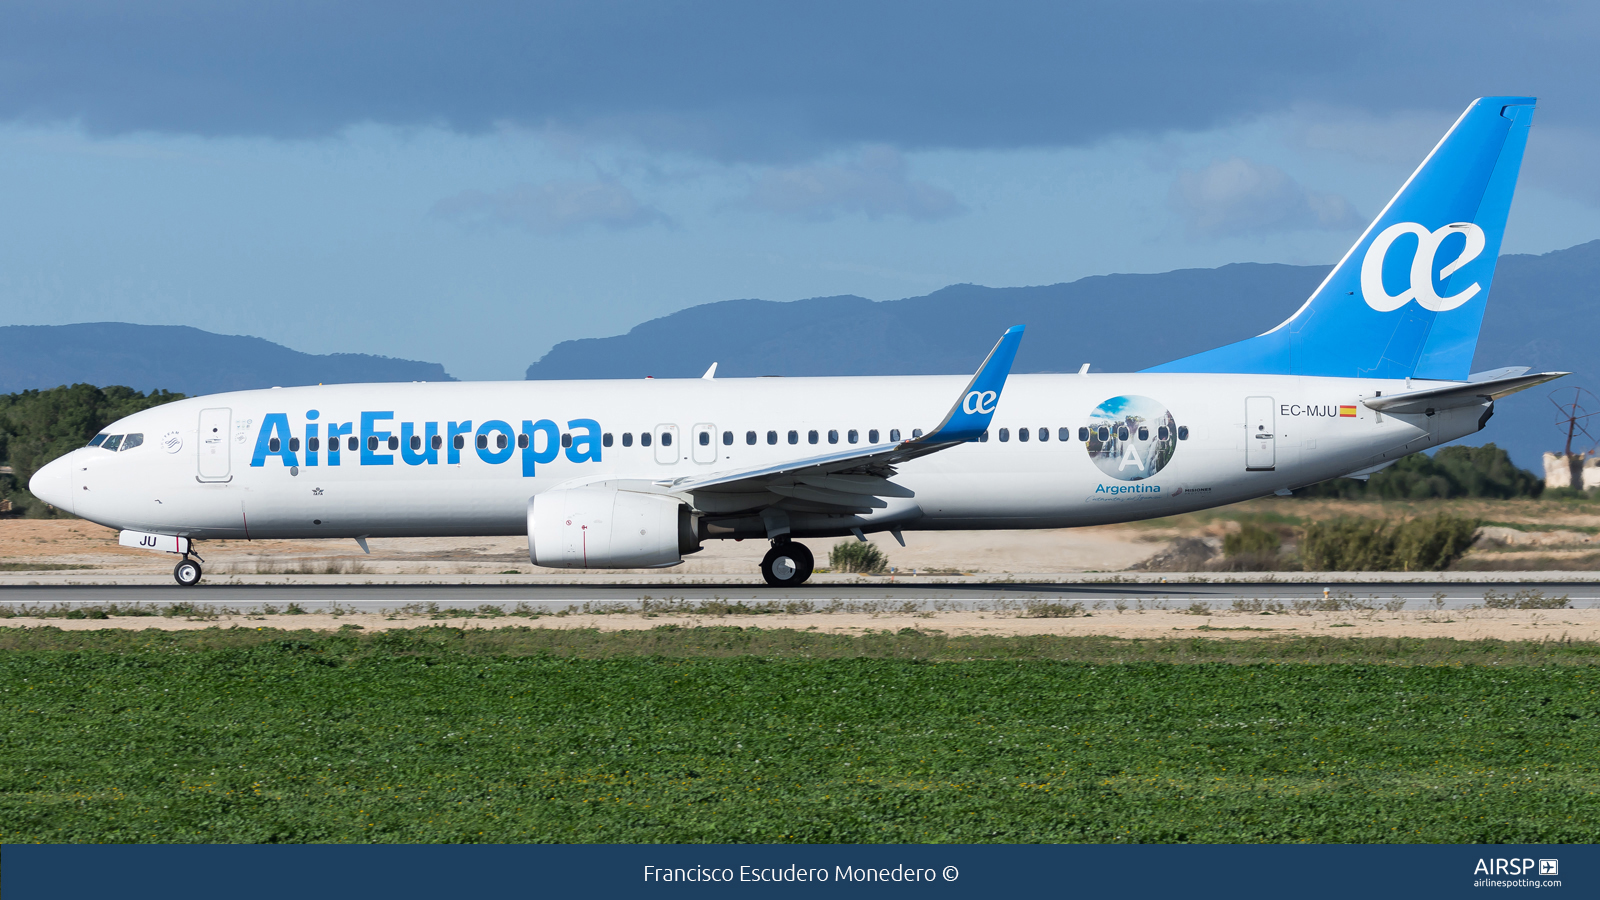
[{"x": 927, "y": 595}]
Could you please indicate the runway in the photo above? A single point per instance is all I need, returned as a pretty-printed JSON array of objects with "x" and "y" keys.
[{"x": 375, "y": 598}]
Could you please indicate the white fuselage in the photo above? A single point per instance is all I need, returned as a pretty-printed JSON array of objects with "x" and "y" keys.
[{"x": 208, "y": 468}]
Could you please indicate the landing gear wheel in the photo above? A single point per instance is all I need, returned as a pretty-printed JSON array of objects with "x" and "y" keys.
[
  {"x": 788, "y": 564},
  {"x": 187, "y": 572}
]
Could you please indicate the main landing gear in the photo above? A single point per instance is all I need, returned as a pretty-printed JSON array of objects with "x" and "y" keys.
[
  {"x": 787, "y": 564},
  {"x": 187, "y": 572}
]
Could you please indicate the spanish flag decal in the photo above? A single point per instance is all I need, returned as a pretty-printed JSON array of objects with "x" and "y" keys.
[{"x": 1347, "y": 412}]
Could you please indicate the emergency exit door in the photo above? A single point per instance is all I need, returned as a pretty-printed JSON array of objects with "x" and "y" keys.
[{"x": 1260, "y": 443}]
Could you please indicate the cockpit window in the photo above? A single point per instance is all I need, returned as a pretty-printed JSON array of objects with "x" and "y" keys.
[
  {"x": 132, "y": 441},
  {"x": 112, "y": 442},
  {"x": 97, "y": 440}
]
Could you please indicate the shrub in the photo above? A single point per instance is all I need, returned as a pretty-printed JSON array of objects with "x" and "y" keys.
[
  {"x": 1485, "y": 471},
  {"x": 1250, "y": 549},
  {"x": 851, "y": 555},
  {"x": 1250, "y": 539},
  {"x": 1526, "y": 598},
  {"x": 1420, "y": 545}
]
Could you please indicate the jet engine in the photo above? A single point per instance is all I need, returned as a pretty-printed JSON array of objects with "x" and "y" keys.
[{"x": 604, "y": 528}]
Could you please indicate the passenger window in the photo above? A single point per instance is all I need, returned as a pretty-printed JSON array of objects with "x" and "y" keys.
[
  {"x": 1005, "y": 435},
  {"x": 1162, "y": 433},
  {"x": 394, "y": 443},
  {"x": 1044, "y": 435},
  {"x": 115, "y": 441},
  {"x": 833, "y": 436},
  {"x": 436, "y": 443},
  {"x": 1122, "y": 432},
  {"x": 294, "y": 444},
  {"x": 772, "y": 437},
  {"x": 666, "y": 439},
  {"x": 727, "y": 439},
  {"x": 313, "y": 444},
  {"x": 273, "y": 444},
  {"x": 97, "y": 440},
  {"x": 916, "y": 432},
  {"x": 750, "y": 437},
  {"x": 1144, "y": 433},
  {"x": 134, "y": 440},
  {"x": 811, "y": 436},
  {"x": 627, "y": 439},
  {"x": 523, "y": 441},
  {"x": 500, "y": 440},
  {"x": 705, "y": 438},
  {"x": 872, "y": 436},
  {"x": 483, "y": 442},
  {"x": 894, "y": 435},
  {"x": 794, "y": 437},
  {"x": 644, "y": 438},
  {"x": 566, "y": 441},
  {"x": 459, "y": 442},
  {"x": 1022, "y": 434},
  {"x": 853, "y": 436},
  {"x": 1103, "y": 433},
  {"x": 1183, "y": 432},
  {"x": 984, "y": 438},
  {"x": 605, "y": 440}
]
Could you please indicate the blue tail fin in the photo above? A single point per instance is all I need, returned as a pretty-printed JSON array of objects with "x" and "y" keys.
[{"x": 1407, "y": 300}]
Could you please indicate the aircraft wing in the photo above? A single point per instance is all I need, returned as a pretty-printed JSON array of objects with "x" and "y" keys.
[
  {"x": 1452, "y": 395},
  {"x": 855, "y": 479}
]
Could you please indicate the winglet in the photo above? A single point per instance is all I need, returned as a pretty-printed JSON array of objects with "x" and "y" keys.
[
  {"x": 710, "y": 374},
  {"x": 969, "y": 418}
]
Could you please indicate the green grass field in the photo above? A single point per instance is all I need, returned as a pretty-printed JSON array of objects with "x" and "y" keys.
[{"x": 686, "y": 735}]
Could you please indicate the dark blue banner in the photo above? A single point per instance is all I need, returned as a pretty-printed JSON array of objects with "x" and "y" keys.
[{"x": 179, "y": 872}]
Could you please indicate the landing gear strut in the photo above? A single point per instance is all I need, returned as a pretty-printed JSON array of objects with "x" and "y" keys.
[
  {"x": 787, "y": 564},
  {"x": 187, "y": 572}
]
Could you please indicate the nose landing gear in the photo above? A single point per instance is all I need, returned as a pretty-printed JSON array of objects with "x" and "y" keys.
[
  {"x": 787, "y": 564},
  {"x": 187, "y": 572}
]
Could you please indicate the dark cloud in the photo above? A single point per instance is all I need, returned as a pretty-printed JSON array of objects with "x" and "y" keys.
[
  {"x": 1240, "y": 196},
  {"x": 554, "y": 207},
  {"x": 743, "y": 80}
]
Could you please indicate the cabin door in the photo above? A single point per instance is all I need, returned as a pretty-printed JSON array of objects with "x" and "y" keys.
[
  {"x": 1260, "y": 444},
  {"x": 214, "y": 445}
]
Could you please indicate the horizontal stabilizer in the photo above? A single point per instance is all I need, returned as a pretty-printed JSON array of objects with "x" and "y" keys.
[{"x": 1451, "y": 396}]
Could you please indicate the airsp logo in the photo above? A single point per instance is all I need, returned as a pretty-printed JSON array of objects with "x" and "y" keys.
[
  {"x": 978, "y": 402},
  {"x": 1422, "y": 263}
]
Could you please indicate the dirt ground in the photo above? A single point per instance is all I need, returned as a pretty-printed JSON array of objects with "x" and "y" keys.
[
  {"x": 1509, "y": 625},
  {"x": 1516, "y": 535},
  {"x": 74, "y": 542}
]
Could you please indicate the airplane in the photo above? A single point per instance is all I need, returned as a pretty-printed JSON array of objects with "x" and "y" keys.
[{"x": 609, "y": 474}]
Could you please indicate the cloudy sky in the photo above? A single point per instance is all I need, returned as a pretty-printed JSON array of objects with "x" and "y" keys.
[{"x": 471, "y": 183}]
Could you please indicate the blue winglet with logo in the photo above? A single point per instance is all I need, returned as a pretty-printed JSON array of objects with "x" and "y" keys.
[
  {"x": 1408, "y": 299},
  {"x": 969, "y": 418}
]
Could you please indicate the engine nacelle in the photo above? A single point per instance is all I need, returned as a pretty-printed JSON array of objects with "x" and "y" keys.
[{"x": 604, "y": 528}]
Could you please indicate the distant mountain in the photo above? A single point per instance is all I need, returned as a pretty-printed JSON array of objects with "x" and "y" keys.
[
  {"x": 180, "y": 358},
  {"x": 1540, "y": 314}
]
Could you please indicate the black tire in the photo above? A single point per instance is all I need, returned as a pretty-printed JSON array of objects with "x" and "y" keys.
[
  {"x": 187, "y": 573},
  {"x": 788, "y": 565}
]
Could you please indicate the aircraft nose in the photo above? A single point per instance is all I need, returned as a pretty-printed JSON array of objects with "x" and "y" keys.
[{"x": 53, "y": 484}]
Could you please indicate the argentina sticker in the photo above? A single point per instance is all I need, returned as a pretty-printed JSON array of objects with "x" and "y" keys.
[{"x": 1131, "y": 438}]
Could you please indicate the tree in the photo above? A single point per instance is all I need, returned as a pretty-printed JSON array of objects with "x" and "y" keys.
[{"x": 39, "y": 426}]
